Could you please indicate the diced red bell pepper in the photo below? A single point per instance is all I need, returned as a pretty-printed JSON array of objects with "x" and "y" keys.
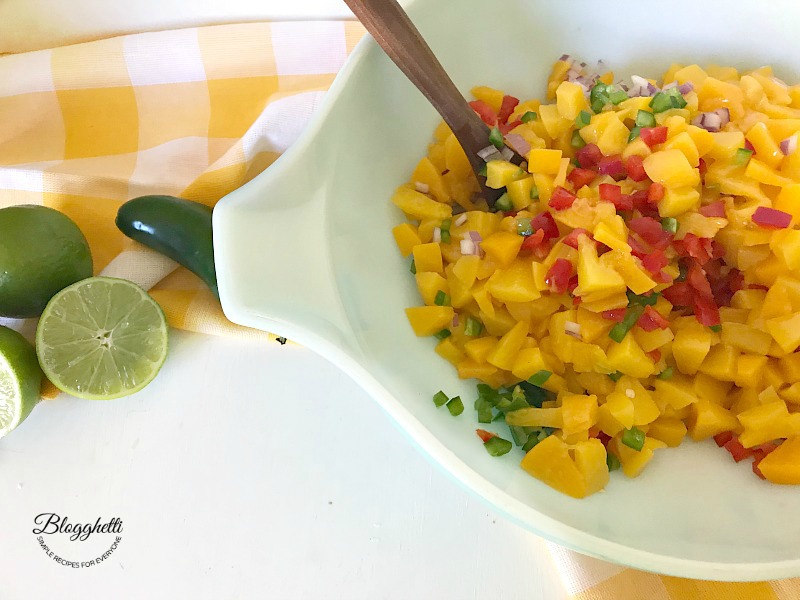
[
  {"x": 557, "y": 278},
  {"x": 581, "y": 177},
  {"x": 653, "y": 135},
  {"x": 546, "y": 223},
  {"x": 770, "y": 218},
  {"x": 506, "y": 127},
  {"x": 651, "y": 231},
  {"x": 749, "y": 146},
  {"x": 485, "y": 112},
  {"x": 573, "y": 283},
  {"x": 706, "y": 311},
  {"x": 757, "y": 458},
  {"x": 738, "y": 452},
  {"x": 702, "y": 167},
  {"x": 641, "y": 202},
  {"x": 655, "y": 355},
  {"x": 561, "y": 199},
  {"x": 679, "y": 294},
  {"x": 697, "y": 279},
  {"x": 603, "y": 437},
  {"x": 532, "y": 241},
  {"x": 715, "y": 209},
  {"x": 610, "y": 193},
  {"x": 693, "y": 246},
  {"x": 589, "y": 156},
  {"x": 571, "y": 239},
  {"x": 655, "y": 261},
  {"x": 611, "y": 165},
  {"x": 637, "y": 246},
  {"x": 723, "y": 438},
  {"x": 506, "y": 108},
  {"x": 615, "y": 314},
  {"x": 485, "y": 435},
  {"x": 662, "y": 277},
  {"x": 635, "y": 167},
  {"x": 655, "y": 192},
  {"x": 576, "y": 300},
  {"x": 651, "y": 320}
]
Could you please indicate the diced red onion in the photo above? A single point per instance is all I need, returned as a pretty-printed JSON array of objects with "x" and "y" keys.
[
  {"x": 789, "y": 145},
  {"x": 772, "y": 218},
  {"x": 566, "y": 58},
  {"x": 507, "y": 153},
  {"x": 573, "y": 329},
  {"x": 423, "y": 188},
  {"x": 475, "y": 236},
  {"x": 455, "y": 320},
  {"x": 641, "y": 87},
  {"x": 519, "y": 144},
  {"x": 460, "y": 220},
  {"x": 724, "y": 114},
  {"x": 710, "y": 121},
  {"x": 611, "y": 167},
  {"x": 488, "y": 153},
  {"x": 437, "y": 235},
  {"x": 468, "y": 247},
  {"x": 685, "y": 88}
]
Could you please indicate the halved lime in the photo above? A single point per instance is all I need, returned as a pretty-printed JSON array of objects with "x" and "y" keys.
[
  {"x": 20, "y": 378},
  {"x": 102, "y": 338}
]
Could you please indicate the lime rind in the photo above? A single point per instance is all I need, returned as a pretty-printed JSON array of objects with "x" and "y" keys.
[
  {"x": 102, "y": 338},
  {"x": 20, "y": 379}
]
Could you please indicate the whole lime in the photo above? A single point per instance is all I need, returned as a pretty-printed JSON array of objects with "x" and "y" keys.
[{"x": 42, "y": 251}]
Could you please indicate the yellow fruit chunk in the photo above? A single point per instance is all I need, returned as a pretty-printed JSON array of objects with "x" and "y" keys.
[
  {"x": 690, "y": 347},
  {"x": 632, "y": 461},
  {"x": 427, "y": 173},
  {"x": 634, "y": 275},
  {"x": 652, "y": 340},
  {"x": 502, "y": 247},
  {"x": 685, "y": 143},
  {"x": 535, "y": 417},
  {"x": 615, "y": 414},
  {"x": 448, "y": 350},
  {"x": 455, "y": 159},
  {"x": 636, "y": 148},
  {"x": 514, "y": 284},
  {"x": 788, "y": 200},
  {"x": 678, "y": 200},
  {"x": 427, "y": 320},
  {"x": 746, "y": 338},
  {"x": 550, "y": 462},
  {"x": 578, "y": 413},
  {"x": 544, "y": 185},
  {"x": 712, "y": 390},
  {"x": 786, "y": 246},
  {"x": 460, "y": 294},
  {"x": 786, "y": 331},
  {"x": 406, "y": 237},
  {"x": 429, "y": 285},
  {"x": 428, "y": 257},
  {"x": 570, "y": 100},
  {"x": 544, "y": 161},
  {"x": 669, "y": 430},
  {"x": 720, "y": 362},
  {"x": 503, "y": 354},
  {"x": 499, "y": 173},
  {"x": 554, "y": 124},
  {"x": 590, "y": 458},
  {"x": 484, "y": 300},
  {"x": 478, "y": 349},
  {"x": 763, "y": 173},
  {"x": 592, "y": 275},
  {"x": 491, "y": 96},
  {"x": 645, "y": 409},
  {"x": 674, "y": 392},
  {"x": 529, "y": 361},
  {"x": 466, "y": 269},
  {"x": 469, "y": 369},
  {"x": 765, "y": 147},
  {"x": 707, "y": 419},
  {"x": 612, "y": 134},
  {"x": 613, "y": 233},
  {"x": 790, "y": 367},
  {"x": 767, "y": 422},
  {"x": 782, "y": 465},
  {"x": 593, "y": 325},
  {"x": 671, "y": 168},
  {"x": 519, "y": 191},
  {"x": 703, "y": 140},
  {"x": 628, "y": 358},
  {"x": 419, "y": 205}
]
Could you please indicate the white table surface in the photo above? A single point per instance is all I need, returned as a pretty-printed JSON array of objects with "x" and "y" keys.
[{"x": 250, "y": 470}]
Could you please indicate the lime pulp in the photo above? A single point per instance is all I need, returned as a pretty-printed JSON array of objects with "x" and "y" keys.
[{"x": 20, "y": 379}]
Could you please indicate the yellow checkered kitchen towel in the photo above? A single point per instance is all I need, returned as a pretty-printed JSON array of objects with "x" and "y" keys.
[{"x": 197, "y": 113}]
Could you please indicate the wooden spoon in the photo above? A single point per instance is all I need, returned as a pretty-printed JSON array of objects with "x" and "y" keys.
[{"x": 396, "y": 34}]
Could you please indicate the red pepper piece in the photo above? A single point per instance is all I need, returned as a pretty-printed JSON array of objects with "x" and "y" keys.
[
  {"x": 715, "y": 209},
  {"x": 679, "y": 294},
  {"x": 581, "y": 177},
  {"x": 652, "y": 320},
  {"x": 506, "y": 127},
  {"x": 506, "y": 108},
  {"x": 706, "y": 311},
  {"x": 485, "y": 435},
  {"x": 738, "y": 452},
  {"x": 723, "y": 438},
  {"x": 485, "y": 112},
  {"x": 547, "y": 223},
  {"x": 532, "y": 241},
  {"x": 571, "y": 239},
  {"x": 611, "y": 165},
  {"x": 589, "y": 156},
  {"x": 653, "y": 135},
  {"x": 635, "y": 167},
  {"x": 655, "y": 355},
  {"x": 557, "y": 278},
  {"x": 770, "y": 218},
  {"x": 749, "y": 146},
  {"x": 697, "y": 279},
  {"x": 757, "y": 458},
  {"x": 638, "y": 248},
  {"x": 703, "y": 168},
  {"x": 655, "y": 192},
  {"x": 561, "y": 199},
  {"x": 655, "y": 261},
  {"x": 651, "y": 231},
  {"x": 610, "y": 192}
]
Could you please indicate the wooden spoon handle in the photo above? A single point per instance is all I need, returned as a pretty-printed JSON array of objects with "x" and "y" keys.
[{"x": 396, "y": 34}]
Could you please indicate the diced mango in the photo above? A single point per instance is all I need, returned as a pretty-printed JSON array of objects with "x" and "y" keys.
[
  {"x": 628, "y": 358},
  {"x": 427, "y": 320},
  {"x": 499, "y": 173},
  {"x": 786, "y": 331},
  {"x": 678, "y": 200},
  {"x": 632, "y": 461},
  {"x": 708, "y": 419},
  {"x": 570, "y": 100},
  {"x": 406, "y": 237},
  {"x": 669, "y": 430},
  {"x": 491, "y": 96},
  {"x": 746, "y": 338},
  {"x": 685, "y": 143},
  {"x": 504, "y": 353},
  {"x": 428, "y": 174},
  {"x": 479, "y": 348},
  {"x": 767, "y": 422},
  {"x": 674, "y": 392},
  {"x": 544, "y": 161},
  {"x": 514, "y": 284},
  {"x": 690, "y": 347},
  {"x": 448, "y": 350},
  {"x": 578, "y": 413},
  {"x": 782, "y": 465},
  {"x": 535, "y": 417},
  {"x": 671, "y": 168},
  {"x": 419, "y": 205},
  {"x": 592, "y": 276},
  {"x": 550, "y": 462},
  {"x": 519, "y": 191},
  {"x": 429, "y": 285},
  {"x": 428, "y": 257}
]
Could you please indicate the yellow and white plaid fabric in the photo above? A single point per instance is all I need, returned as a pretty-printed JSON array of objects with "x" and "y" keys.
[{"x": 196, "y": 113}]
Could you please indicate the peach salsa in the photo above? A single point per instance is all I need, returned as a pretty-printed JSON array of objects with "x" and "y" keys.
[{"x": 637, "y": 279}]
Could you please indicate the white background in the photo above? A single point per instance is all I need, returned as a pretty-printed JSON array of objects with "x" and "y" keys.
[{"x": 247, "y": 470}]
